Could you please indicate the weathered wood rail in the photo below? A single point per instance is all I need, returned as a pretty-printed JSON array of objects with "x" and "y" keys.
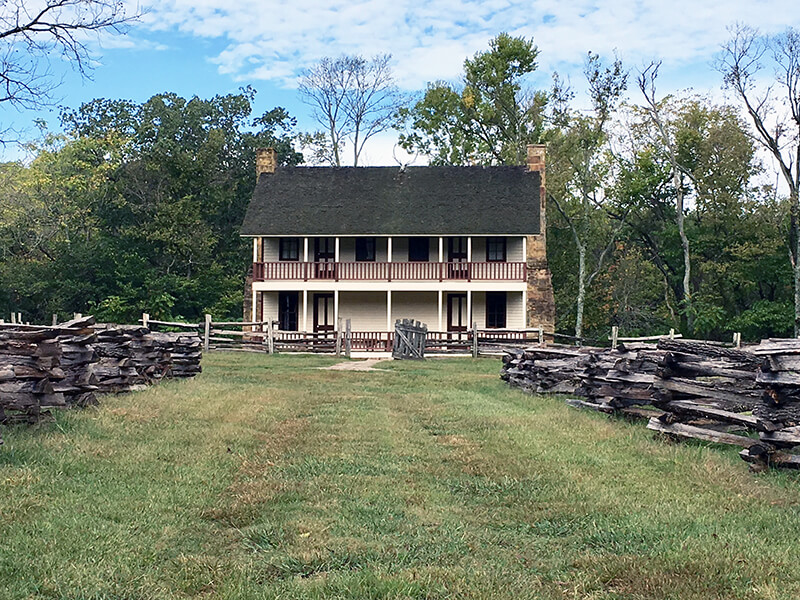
[{"x": 749, "y": 397}]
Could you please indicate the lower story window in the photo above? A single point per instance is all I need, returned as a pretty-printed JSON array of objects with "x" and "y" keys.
[
  {"x": 495, "y": 310},
  {"x": 287, "y": 311}
]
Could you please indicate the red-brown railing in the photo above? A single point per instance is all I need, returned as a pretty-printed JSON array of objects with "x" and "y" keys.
[{"x": 389, "y": 271}]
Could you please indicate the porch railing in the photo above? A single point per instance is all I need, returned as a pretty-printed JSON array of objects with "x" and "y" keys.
[{"x": 389, "y": 271}]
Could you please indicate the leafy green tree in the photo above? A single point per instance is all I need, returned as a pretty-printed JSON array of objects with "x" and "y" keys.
[
  {"x": 490, "y": 119},
  {"x": 138, "y": 208}
]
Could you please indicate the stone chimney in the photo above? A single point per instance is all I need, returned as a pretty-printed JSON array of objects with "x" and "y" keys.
[
  {"x": 266, "y": 161},
  {"x": 541, "y": 309}
]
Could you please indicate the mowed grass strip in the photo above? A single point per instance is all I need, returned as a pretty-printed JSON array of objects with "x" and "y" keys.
[{"x": 266, "y": 477}]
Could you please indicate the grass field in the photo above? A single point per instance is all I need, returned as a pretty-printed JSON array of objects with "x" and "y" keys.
[{"x": 268, "y": 478}]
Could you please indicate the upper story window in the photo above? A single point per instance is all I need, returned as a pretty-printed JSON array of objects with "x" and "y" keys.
[
  {"x": 289, "y": 249},
  {"x": 365, "y": 249},
  {"x": 418, "y": 249},
  {"x": 496, "y": 249}
]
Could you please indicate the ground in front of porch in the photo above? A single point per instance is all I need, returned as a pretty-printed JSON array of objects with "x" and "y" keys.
[{"x": 266, "y": 477}]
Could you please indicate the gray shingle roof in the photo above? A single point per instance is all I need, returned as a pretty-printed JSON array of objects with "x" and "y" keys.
[{"x": 297, "y": 201}]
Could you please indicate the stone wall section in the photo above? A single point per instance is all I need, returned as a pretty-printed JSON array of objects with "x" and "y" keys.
[{"x": 541, "y": 309}]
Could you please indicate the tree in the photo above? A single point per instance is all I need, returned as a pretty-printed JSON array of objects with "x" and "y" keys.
[
  {"x": 31, "y": 34},
  {"x": 353, "y": 99},
  {"x": 490, "y": 119},
  {"x": 579, "y": 168},
  {"x": 777, "y": 130},
  {"x": 654, "y": 111},
  {"x": 137, "y": 208},
  {"x": 724, "y": 215}
]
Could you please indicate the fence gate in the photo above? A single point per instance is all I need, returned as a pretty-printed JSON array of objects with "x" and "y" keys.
[{"x": 409, "y": 339}]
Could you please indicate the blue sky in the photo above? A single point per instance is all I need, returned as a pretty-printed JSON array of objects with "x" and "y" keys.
[{"x": 207, "y": 47}]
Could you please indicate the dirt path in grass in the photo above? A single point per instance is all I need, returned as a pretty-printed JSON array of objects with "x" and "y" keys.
[{"x": 353, "y": 365}]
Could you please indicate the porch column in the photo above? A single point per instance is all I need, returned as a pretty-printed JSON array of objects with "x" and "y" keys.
[
  {"x": 305, "y": 249},
  {"x": 335, "y": 308},
  {"x": 469, "y": 250},
  {"x": 388, "y": 249},
  {"x": 336, "y": 249},
  {"x": 524, "y": 308},
  {"x": 389, "y": 311},
  {"x": 440, "y": 308},
  {"x": 469, "y": 306},
  {"x": 255, "y": 250},
  {"x": 305, "y": 309},
  {"x": 441, "y": 249},
  {"x": 524, "y": 247}
]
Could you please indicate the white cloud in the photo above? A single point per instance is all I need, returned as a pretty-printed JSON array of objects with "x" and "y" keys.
[{"x": 276, "y": 39}]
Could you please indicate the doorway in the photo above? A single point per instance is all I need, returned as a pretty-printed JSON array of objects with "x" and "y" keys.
[{"x": 323, "y": 313}]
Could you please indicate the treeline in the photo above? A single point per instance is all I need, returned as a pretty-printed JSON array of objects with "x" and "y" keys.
[
  {"x": 661, "y": 211},
  {"x": 136, "y": 207}
]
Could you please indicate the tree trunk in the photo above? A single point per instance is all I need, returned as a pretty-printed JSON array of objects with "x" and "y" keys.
[
  {"x": 687, "y": 265},
  {"x": 581, "y": 292},
  {"x": 794, "y": 235}
]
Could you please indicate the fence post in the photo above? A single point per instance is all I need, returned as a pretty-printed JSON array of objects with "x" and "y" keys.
[
  {"x": 13, "y": 318},
  {"x": 77, "y": 316},
  {"x": 672, "y": 334},
  {"x": 541, "y": 336},
  {"x": 270, "y": 338},
  {"x": 145, "y": 320},
  {"x": 348, "y": 339},
  {"x": 737, "y": 339},
  {"x": 207, "y": 333},
  {"x": 474, "y": 339},
  {"x": 55, "y": 319},
  {"x": 614, "y": 336},
  {"x": 339, "y": 337}
]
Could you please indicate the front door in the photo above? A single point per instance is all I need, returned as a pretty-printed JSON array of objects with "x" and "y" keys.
[
  {"x": 324, "y": 257},
  {"x": 287, "y": 311},
  {"x": 457, "y": 254},
  {"x": 457, "y": 317},
  {"x": 323, "y": 312}
]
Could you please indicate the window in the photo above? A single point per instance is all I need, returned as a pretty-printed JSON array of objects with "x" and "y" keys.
[
  {"x": 495, "y": 310},
  {"x": 289, "y": 249},
  {"x": 287, "y": 311},
  {"x": 365, "y": 249},
  {"x": 418, "y": 249},
  {"x": 496, "y": 249}
]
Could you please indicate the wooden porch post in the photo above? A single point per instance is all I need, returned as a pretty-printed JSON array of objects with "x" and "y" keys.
[
  {"x": 305, "y": 307},
  {"x": 441, "y": 249},
  {"x": 469, "y": 305},
  {"x": 305, "y": 249},
  {"x": 440, "y": 309},
  {"x": 336, "y": 306},
  {"x": 389, "y": 310}
]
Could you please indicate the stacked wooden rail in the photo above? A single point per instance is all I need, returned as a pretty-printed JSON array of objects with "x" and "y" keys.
[
  {"x": 749, "y": 397},
  {"x": 42, "y": 367}
]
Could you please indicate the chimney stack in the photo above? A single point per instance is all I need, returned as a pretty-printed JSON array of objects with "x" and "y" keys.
[{"x": 266, "y": 161}]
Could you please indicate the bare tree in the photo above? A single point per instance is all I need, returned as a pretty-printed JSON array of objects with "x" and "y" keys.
[
  {"x": 352, "y": 99},
  {"x": 32, "y": 33},
  {"x": 774, "y": 111}
]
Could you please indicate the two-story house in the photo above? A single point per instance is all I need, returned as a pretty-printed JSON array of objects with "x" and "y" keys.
[{"x": 448, "y": 246}]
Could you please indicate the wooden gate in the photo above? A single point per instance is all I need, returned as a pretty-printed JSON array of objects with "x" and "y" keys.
[{"x": 409, "y": 339}]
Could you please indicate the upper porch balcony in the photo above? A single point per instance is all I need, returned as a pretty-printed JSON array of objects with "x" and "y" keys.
[
  {"x": 387, "y": 259},
  {"x": 389, "y": 271}
]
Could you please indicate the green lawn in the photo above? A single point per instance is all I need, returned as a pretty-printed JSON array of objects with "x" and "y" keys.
[{"x": 268, "y": 478}]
